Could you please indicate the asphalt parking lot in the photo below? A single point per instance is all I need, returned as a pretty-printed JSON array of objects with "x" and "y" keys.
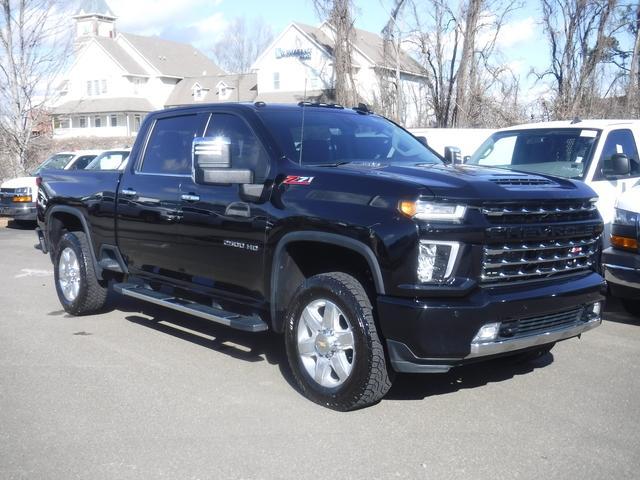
[{"x": 139, "y": 392}]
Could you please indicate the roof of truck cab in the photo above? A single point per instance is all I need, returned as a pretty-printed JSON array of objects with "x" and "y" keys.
[{"x": 596, "y": 124}]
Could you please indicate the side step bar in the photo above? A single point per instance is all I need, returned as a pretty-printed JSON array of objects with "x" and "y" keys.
[{"x": 247, "y": 323}]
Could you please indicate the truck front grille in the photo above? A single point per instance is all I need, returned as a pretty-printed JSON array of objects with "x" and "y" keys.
[
  {"x": 534, "y": 325},
  {"x": 531, "y": 242}
]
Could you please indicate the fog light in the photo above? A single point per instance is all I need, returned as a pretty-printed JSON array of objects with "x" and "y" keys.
[
  {"x": 487, "y": 333},
  {"x": 436, "y": 260},
  {"x": 595, "y": 309}
]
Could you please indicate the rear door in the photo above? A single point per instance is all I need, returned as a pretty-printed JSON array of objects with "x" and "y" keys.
[
  {"x": 149, "y": 207},
  {"x": 223, "y": 229}
]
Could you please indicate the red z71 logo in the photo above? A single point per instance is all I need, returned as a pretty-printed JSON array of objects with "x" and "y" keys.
[{"x": 296, "y": 180}]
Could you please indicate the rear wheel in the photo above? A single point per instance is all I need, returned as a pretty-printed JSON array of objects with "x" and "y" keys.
[
  {"x": 631, "y": 306},
  {"x": 332, "y": 343},
  {"x": 77, "y": 284}
]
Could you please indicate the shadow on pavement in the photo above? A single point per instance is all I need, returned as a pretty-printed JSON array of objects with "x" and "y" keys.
[
  {"x": 21, "y": 225},
  {"x": 268, "y": 346}
]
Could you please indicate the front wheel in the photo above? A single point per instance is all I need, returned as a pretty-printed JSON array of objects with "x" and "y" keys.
[
  {"x": 332, "y": 343},
  {"x": 77, "y": 284}
]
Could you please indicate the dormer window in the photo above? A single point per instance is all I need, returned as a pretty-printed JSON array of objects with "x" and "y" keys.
[
  {"x": 223, "y": 91},
  {"x": 198, "y": 92}
]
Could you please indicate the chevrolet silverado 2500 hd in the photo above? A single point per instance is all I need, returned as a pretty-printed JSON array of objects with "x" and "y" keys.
[{"x": 339, "y": 230}]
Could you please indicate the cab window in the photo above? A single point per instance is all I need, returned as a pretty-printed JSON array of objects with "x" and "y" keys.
[
  {"x": 620, "y": 141},
  {"x": 244, "y": 147},
  {"x": 168, "y": 151}
]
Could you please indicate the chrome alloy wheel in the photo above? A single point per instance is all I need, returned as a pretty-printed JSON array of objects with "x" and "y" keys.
[
  {"x": 325, "y": 343},
  {"x": 69, "y": 274}
]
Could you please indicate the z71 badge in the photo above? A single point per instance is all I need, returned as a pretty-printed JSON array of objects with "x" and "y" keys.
[{"x": 296, "y": 180}]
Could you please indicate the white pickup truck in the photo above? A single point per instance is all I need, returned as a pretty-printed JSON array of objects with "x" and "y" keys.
[
  {"x": 601, "y": 153},
  {"x": 18, "y": 195}
]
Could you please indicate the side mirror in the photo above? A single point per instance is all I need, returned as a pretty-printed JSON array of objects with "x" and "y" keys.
[
  {"x": 212, "y": 162},
  {"x": 616, "y": 166},
  {"x": 466, "y": 159},
  {"x": 423, "y": 140},
  {"x": 452, "y": 155}
]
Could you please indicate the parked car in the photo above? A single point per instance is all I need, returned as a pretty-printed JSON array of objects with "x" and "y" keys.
[
  {"x": 18, "y": 195},
  {"x": 601, "y": 153},
  {"x": 110, "y": 160},
  {"x": 335, "y": 228},
  {"x": 621, "y": 260}
]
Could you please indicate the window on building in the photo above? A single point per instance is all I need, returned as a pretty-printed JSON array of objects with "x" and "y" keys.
[
  {"x": 137, "y": 119},
  {"x": 96, "y": 87},
  {"x": 59, "y": 122},
  {"x": 103, "y": 86},
  {"x": 276, "y": 80},
  {"x": 136, "y": 85},
  {"x": 114, "y": 120},
  {"x": 89, "y": 87},
  {"x": 83, "y": 122},
  {"x": 169, "y": 148},
  {"x": 97, "y": 122}
]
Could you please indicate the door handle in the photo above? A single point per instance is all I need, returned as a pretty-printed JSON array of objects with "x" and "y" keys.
[
  {"x": 190, "y": 197},
  {"x": 128, "y": 192},
  {"x": 238, "y": 209}
]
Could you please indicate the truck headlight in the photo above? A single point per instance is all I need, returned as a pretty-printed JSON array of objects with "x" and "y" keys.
[
  {"x": 438, "y": 212},
  {"x": 436, "y": 260},
  {"x": 624, "y": 217},
  {"x": 625, "y": 230}
]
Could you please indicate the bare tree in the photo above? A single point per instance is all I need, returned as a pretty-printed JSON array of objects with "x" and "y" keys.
[
  {"x": 465, "y": 80},
  {"x": 632, "y": 100},
  {"x": 241, "y": 43},
  {"x": 339, "y": 15},
  {"x": 34, "y": 47},
  {"x": 580, "y": 36},
  {"x": 390, "y": 93}
]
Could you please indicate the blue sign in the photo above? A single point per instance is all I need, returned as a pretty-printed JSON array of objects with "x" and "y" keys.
[{"x": 300, "y": 53}]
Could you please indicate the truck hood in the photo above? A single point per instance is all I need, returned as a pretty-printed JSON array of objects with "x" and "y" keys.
[
  {"x": 20, "y": 182},
  {"x": 471, "y": 182}
]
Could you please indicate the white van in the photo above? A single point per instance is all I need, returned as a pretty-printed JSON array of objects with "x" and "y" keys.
[
  {"x": 601, "y": 153},
  {"x": 18, "y": 195}
]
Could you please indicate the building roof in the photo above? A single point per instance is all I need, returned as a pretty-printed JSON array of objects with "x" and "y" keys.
[
  {"x": 244, "y": 89},
  {"x": 120, "y": 55},
  {"x": 104, "y": 105},
  {"x": 94, "y": 7},
  {"x": 173, "y": 59},
  {"x": 370, "y": 44}
]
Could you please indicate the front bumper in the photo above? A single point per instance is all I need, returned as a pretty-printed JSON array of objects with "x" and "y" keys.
[
  {"x": 433, "y": 335},
  {"x": 18, "y": 211},
  {"x": 622, "y": 272}
]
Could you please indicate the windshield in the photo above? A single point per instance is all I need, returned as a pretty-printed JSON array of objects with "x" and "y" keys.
[
  {"x": 111, "y": 160},
  {"x": 558, "y": 152},
  {"x": 57, "y": 161},
  {"x": 334, "y": 137}
]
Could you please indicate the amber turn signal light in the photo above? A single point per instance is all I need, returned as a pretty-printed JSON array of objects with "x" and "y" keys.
[
  {"x": 625, "y": 243},
  {"x": 22, "y": 199},
  {"x": 408, "y": 208}
]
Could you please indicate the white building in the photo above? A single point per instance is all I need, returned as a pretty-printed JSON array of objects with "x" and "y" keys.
[
  {"x": 116, "y": 78},
  {"x": 298, "y": 65}
]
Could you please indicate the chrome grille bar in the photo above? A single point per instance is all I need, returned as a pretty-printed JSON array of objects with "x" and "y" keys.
[{"x": 538, "y": 246}]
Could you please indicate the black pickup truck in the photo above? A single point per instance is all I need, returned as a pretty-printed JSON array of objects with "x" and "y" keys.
[{"x": 339, "y": 230}]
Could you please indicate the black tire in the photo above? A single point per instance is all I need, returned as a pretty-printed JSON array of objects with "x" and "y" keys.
[
  {"x": 369, "y": 379},
  {"x": 92, "y": 295},
  {"x": 533, "y": 354},
  {"x": 631, "y": 306}
]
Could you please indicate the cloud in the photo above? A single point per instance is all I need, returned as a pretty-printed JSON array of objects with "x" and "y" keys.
[
  {"x": 188, "y": 20},
  {"x": 516, "y": 32}
]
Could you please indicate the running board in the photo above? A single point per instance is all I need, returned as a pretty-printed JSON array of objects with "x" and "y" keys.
[{"x": 240, "y": 322}]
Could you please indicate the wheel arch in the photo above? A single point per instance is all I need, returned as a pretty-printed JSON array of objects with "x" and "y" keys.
[
  {"x": 287, "y": 274},
  {"x": 62, "y": 217}
]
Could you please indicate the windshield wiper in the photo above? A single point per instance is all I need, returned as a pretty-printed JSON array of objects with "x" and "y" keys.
[{"x": 337, "y": 164}]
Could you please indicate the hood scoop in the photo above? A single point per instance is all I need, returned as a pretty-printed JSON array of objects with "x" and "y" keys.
[{"x": 522, "y": 181}]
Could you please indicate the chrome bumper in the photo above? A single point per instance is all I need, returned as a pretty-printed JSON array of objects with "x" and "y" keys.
[
  {"x": 510, "y": 345},
  {"x": 20, "y": 211}
]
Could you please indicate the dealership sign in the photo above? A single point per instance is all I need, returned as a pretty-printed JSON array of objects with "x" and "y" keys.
[{"x": 300, "y": 53}]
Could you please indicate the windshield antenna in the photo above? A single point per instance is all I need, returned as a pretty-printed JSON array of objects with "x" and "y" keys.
[{"x": 302, "y": 128}]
